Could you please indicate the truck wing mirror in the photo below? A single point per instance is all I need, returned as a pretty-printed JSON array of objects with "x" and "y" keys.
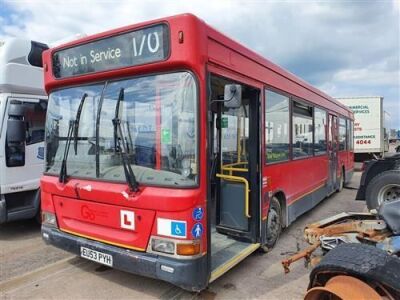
[
  {"x": 233, "y": 96},
  {"x": 15, "y": 131}
]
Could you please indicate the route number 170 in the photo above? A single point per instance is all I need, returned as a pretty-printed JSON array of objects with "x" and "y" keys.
[{"x": 148, "y": 42}]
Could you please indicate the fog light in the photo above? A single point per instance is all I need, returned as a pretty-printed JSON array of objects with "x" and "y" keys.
[
  {"x": 188, "y": 249},
  {"x": 49, "y": 218},
  {"x": 163, "y": 246}
]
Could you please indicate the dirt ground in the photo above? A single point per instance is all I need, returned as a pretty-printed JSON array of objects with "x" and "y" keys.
[{"x": 30, "y": 269}]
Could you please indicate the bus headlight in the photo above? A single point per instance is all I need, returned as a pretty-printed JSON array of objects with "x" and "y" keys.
[
  {"x": 163, "y": 246},
  {"x": 49, "y": 219}
]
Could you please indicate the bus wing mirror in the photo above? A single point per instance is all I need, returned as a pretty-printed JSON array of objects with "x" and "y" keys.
[
  {"x": 16, "y": 110},
  {"x": 15, "y": 131},
  {"x": 233, "y": 96}
]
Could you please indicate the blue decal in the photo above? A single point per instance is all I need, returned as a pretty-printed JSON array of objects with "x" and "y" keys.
[
  {"x": 40, "y": 153},
  {"x": 198, "y": 213},
  {"x": 178, "y": 229},
  {"x": 197, "y": 230}
]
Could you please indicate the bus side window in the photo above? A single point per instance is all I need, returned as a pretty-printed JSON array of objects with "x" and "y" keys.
[
  {"x": 302, "y": 139},
  {"x": 276, "y": 127},
  {"x": 320, "y": 125},
  {"x": 351, "y": 135},
  {"x": 342, "y": 134}
]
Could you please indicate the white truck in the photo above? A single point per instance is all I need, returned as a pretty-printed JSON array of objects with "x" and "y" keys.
[
  {"x": 370, "y": 136},
  {"x": 23, "y": 105}
]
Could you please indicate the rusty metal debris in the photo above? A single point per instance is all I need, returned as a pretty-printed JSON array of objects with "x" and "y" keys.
[
  {"x": 342, "y": 228},
  {"x": 306, "y": 254},
  {"x": 313, "y": 232},
  {"x": 343, "y": 287}
]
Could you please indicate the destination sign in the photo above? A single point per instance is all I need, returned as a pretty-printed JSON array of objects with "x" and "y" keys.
[{"x": 137, "y": 47}]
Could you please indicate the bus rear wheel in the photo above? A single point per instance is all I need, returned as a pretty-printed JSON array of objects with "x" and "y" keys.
[
  {"x": 341, "y": 181},
  {"x": 273, "y": 225}
]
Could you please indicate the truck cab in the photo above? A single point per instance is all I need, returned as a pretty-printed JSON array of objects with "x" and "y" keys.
[{"x": 23, "y": 105}]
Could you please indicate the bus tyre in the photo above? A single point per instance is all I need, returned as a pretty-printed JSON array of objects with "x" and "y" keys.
[
  {"x": 274, "y": 225},
  {"x": 383, "y": 187}
]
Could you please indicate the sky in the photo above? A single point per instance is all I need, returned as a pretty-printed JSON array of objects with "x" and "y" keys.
[{"x": 345, "y": 48}]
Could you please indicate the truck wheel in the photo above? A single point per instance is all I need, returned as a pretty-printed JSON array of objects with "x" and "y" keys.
[
  {"x": 383, "y": 187},
  {"x": 364, "y": 262},
  {"x": 274, "y": 225}
]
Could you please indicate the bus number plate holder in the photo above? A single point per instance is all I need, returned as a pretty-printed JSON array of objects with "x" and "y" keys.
[{"x": 93, "y": 255}]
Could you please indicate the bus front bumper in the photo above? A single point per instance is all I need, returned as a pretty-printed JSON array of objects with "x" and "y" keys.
[{"x": 190, "y": 274}]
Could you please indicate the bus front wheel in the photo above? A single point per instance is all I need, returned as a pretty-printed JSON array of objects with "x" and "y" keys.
[{"x": 273, "y": 225}]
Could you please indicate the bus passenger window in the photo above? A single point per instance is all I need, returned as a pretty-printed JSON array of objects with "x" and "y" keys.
[
  {"x": 276, "y": 127},
  {"x": 348, "y": 136},
  {"x": 320, "y": 126},
  {"x": 342, "y": 134},
  {"x": 351, "y": 136},
  {"x": 302, "y": 130}
]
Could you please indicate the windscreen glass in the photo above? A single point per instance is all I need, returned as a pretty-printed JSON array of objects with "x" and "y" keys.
[
  {"x": 158, "y": 118},
  {"x": 62, "y": 110}
]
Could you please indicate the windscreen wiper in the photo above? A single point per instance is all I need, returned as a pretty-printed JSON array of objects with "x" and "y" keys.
[
  {"x": 73, "y": 128},
  {"x": 118, "y": 136},
  {"x": 76, "y": 123}
]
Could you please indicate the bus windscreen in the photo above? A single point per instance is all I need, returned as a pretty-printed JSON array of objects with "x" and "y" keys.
[{"x": 133, "y": 48}]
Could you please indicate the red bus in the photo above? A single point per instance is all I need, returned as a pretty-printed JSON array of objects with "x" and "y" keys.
[{"x": 174, "y": 152}]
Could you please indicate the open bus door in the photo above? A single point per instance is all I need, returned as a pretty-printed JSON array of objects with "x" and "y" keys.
[
  {"x": 234, "y": 176},
  {"x": 333, "y": 151}
]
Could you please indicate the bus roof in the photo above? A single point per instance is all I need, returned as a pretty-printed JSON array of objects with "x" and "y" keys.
[
  {"x": 209, "y": 43},
  {"x": 21, "y": 68}
]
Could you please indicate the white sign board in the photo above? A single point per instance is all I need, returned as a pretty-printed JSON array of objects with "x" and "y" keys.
[{"x": 368, "y": 130}]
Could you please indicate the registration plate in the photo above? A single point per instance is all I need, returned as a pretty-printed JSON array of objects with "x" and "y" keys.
[{"x": 103, "y": 258}]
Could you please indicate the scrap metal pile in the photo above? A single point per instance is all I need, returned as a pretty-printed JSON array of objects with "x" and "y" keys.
[
  {"x": 362, "y": 258},
  {"x": 381, "y": 230}
]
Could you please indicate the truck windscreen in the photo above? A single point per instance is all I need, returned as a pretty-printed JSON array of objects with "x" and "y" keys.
[{"x": 158, "y": 119}]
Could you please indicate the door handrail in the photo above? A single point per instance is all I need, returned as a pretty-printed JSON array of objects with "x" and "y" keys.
[
  {"x": 234, "y": 167},
  {"x": 246, "y": 186}
]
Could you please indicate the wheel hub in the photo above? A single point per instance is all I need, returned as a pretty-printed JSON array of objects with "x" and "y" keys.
[{"x": 390, "y": 192}]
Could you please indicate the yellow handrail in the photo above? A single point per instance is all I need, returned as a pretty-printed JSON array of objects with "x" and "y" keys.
[
  {"x": 231, "y": 167},
  {"x": 246, "y": 187},
  {"x": 236, "y": 164}
]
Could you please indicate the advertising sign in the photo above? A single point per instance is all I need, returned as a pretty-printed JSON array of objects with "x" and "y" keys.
[{"x": 367, "y": 123}]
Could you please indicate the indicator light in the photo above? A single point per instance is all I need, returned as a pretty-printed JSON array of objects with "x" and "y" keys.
[
  {"x": 49, "y": 218},
  {"x": 180, "y": 37},
  {"x": 188, "y": 249}
]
